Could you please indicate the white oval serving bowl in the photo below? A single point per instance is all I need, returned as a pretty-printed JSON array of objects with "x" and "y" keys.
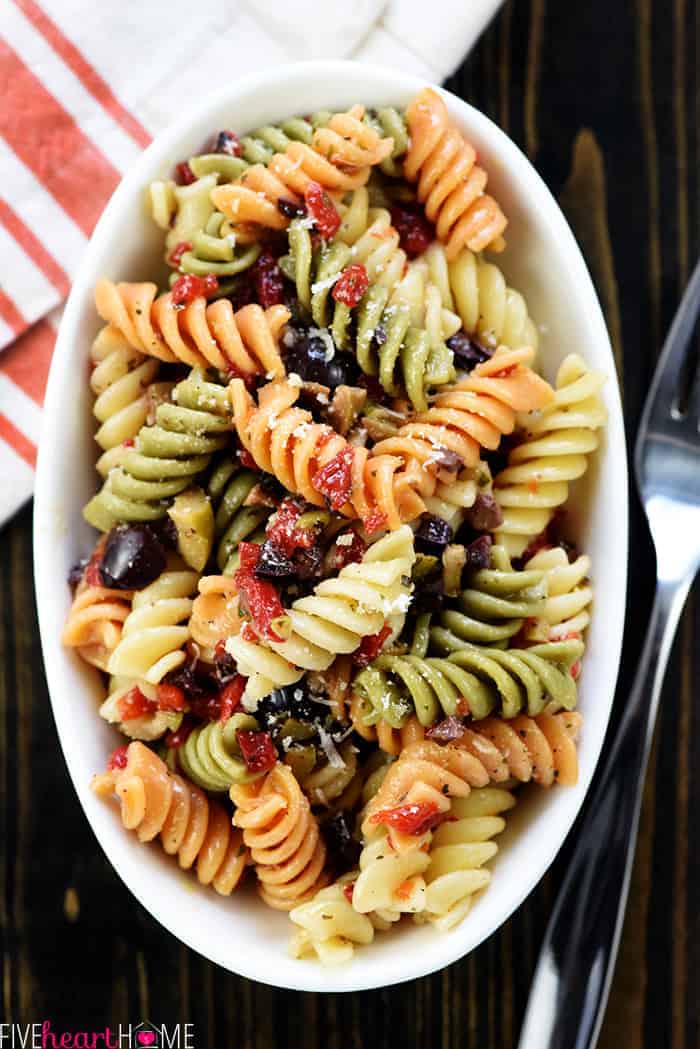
[{"x": 542, "y": 261}]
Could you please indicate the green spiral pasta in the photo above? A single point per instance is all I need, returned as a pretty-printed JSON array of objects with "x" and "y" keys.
[
  {"x": 496, "y": 602},
  {"x": 211, "y": 757},
  {"x": 229, "y": 486},
  {"x": 380, "y": 330},
  {"x": 166, "y": 456},
  {"x": 390, "y": 123},
  {"x": 529, "y": 679}
]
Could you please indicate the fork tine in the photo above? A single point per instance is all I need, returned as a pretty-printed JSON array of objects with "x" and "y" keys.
[
  {"x": 693, "y": 409},
  {"x": 663, "y": 392}
]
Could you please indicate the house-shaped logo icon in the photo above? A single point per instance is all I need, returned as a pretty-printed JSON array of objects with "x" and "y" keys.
[{"x": 145, "y": 1036}]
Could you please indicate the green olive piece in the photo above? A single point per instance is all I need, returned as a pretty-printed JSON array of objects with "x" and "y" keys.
[{"x": 193, "y": 517}]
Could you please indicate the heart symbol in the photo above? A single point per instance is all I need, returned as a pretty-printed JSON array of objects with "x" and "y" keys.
[{"x": 146, "y": 1038}]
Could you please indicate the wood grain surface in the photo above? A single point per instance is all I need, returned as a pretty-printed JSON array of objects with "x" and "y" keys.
[{"x": 603, "y": 96}]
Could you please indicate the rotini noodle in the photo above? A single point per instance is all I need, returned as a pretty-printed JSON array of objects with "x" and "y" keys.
[
  {"x": 569, "y": 594},
  {"x": 554, "y": 452},
  {"x": 95, "y": 622},
  {"x": 541, "y": 749},
  {"x": 283, "y": 837},
  {"x": 451, "y": 185},
  {"x": 146, "y": 727},
  {"x": 211, "y": 757},
  {"x": 155, "y": 801},
  {"x": 156, "y": 629},
  {"x": 200, "y": 334}
]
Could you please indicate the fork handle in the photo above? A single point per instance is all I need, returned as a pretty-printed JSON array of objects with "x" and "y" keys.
[{"x": 572, "y": 980}]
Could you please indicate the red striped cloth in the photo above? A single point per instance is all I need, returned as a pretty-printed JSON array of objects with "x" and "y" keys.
[{"x": 85, "y": 86}]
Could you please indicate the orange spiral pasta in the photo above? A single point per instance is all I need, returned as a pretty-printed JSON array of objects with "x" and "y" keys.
[
  {"x": 542, "y": 749},
  {"x": 95, "y": 620},
  {"x": 472, "y": 414},
  {"x": 339, "y": 158},
  {"x": 155, "y": 801},
  {"x": 283, "y": 837},
  {"x": 286, "y": 442},
  {"x": 215, "y": 611},
  {"x": 200, "y": 334},
  {"x": 451, "y": 184}
]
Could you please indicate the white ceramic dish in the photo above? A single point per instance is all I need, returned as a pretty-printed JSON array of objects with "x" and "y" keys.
[{"x": 544, "y": 262}]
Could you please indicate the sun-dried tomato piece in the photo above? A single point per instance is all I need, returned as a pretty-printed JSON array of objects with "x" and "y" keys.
[
  {"x": 118, "y": 759},
  {"x": 175, "y": 256},
  {"x": 133, "y": 704},
  {"x": 414, "y": 229},
  {"x": 348, "y": 890},
  {"x": 284, "y": 532},
  {"x": 257, "y": 749},
  {"x": 351, "y": 285},
  {"x": 322, "y": 210},
  {"x": 269, "y": 283},
  {"x": 260, "y": 597},
  {"x": 170, "y": 697},
  {"x": 374, "y": 521},
  {"x": 347, "y": 553},
  {"x": 411, "y": 819},
  {"x": 189, "y": 287},
  {"x": 230, "y": 697},
  {"x": 371, "y": 647},
  {"x": 334, "y": 480},
  {"x": 184, "y": 175}
]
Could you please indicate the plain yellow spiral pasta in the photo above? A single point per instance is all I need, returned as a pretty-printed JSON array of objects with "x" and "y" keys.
[
  {"x": 476, "y": 291},
  {"x": 283, "y": 837},
  {"x": 201, "y": 334},
  {"x": 95, "y": 622},
  {"x": 155, "y": 632},
  {"x": 328, "y": 926},
  {"x": 458, "y": 851},
  {"x": 156, "y": 802},
  {"x": 119, "y": 379},
  {"x": 554, "y": 451},
  {"x": 339, "y": 158},
  {"x": 332, "y": 621},
  {"x": 451, "y": 185},
  {"x": 566, "y": 608}
]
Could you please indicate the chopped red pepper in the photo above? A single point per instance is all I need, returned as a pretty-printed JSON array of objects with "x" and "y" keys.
[
  {"x": 260, "y": 596},
  {"x": 415, "y": 231},
  {"x": 118, "y": 759},
  {"x": 404, "y": 890},
  {"x": 184, "y": 175},
  {"x": 374, "y": 521},
  {"x": 371, "y": 647},
  {"x": 133, "y": 704},
  {"x": 175, "y": 256},
  {"x": 410, "y": 819},
  {"x": 129, "y": 443},
  {"x": 257, "y": 749},
  {"x": 189, "y": 287},
  {"x": 283, "y": 530},
  {"x": 170, "y": 697},
  {"x": 334, "y": 480},
  {"x": 321, "y": 209},
  {"x": 351, "y": 285},
  {"x": 230, "y": 697},
  {"x": 348, "y": 891},
  {"x": 269, "y": 283},
  {"x": 173, "y": 740}
]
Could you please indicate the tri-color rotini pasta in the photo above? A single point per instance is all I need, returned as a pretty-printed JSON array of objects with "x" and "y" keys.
[{"x": 339, "y": 617}]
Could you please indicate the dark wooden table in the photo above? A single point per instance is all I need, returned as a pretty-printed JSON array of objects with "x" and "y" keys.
[{"x": 603, "y": 96}]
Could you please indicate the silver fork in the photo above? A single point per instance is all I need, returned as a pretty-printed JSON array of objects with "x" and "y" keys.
[{"x": 572, "y": 980}]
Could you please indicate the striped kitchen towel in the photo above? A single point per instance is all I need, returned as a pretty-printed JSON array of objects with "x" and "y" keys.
[{"x": 85, "y": 86}]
